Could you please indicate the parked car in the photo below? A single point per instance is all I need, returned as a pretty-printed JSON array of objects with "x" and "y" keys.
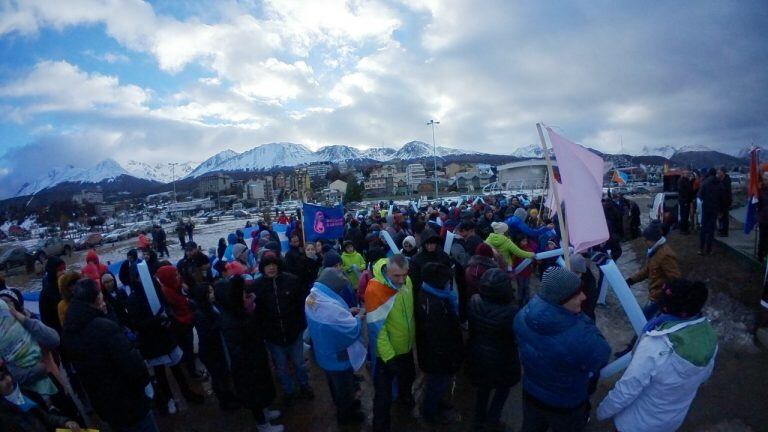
[
  {"x": 89, "y": 241},
  {"x": 14, "y": 257},
  {"x": 241, "y": 214},
  {"x": 53, "y": 246},
  {"x": 117, "y": 235}
]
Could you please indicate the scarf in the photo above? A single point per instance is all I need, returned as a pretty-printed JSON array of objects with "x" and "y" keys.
[
  {"x": 444, "y": 294},
  {"x": 662, "y": 319},
  {"x": 656, "y": 246}
]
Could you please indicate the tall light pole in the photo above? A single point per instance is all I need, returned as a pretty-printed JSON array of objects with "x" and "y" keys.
[
  {"x": 173, "y": 179},
  {"x": 434, "y": 152}
]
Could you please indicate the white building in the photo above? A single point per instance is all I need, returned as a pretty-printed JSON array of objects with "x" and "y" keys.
[
  {"x": 527, "y": 174},
  {"x": 319, "y": 170},
  {"x": 415, "y": 175}
]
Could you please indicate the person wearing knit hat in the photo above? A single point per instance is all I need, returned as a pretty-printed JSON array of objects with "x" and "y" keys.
[
  {"x": 331, "y": 259},
  {"x": 409, "y": 247},
  {"x": 678, "y": 350},
  {"x": 562, "y": 352},
  {"x": 504, "y": 245},
  {"x": 336, "y": 328},
  {"x": 492, "y": 361},
  {"x": 439, "y": 345}
]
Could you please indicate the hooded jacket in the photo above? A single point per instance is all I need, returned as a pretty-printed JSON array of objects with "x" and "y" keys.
[
  {"x": 506, "y": 247},
  {"x": 667, "y": 368},
  {"x": 178, "y": 304},
  {"x": 517, "y": 225},
  {"x": 108, "y": 365},
  {"x": 660, "y": 268},
  {"x": 348, "y": 260},
  {"x": 423, "y": 257},
  {"x": 397, "y": 334},
  {"x": 476, "y": 267},
  {"x": 440, "y": 348},
  {"x": 93, "y": 269},
  {"x": 560, "y": 352}
]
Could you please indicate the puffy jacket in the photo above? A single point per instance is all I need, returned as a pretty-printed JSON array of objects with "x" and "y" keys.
[
  {"x": 439, "y": 344},
  {"x": 108, "y": 365},
  {"x": 560, "y": 352},
  {"x": 280, "y": 304},
  {"x": 517, "y": 225},
  {"x": 657, "y": 389},
  {"x": 492, "y": 360},
  {"x": 712, "y": 195},
  {"x": 332, "y": 328},
  {"x": 506, "y": 247},
  {"x": 348, "y": 260},
  {"x": 659, "y": 268},
  {"x": 398, "y": 334}
]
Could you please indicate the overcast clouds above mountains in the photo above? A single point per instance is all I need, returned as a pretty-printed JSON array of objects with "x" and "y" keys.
[{"x": 172, "y": 81}]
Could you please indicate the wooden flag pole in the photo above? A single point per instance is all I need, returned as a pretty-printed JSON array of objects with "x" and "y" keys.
[{"x": 565, "y": 244}]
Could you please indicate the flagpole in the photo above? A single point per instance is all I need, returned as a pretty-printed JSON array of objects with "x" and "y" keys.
[{"x": 565, "y": 244}]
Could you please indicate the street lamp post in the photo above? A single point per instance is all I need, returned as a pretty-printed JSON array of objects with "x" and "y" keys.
[
  {"x": 173, "y": 180},
  {"x": 434, "y": 152}
]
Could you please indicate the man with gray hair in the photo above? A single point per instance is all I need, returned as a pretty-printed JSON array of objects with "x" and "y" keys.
[{"x": 391, "y": 330}]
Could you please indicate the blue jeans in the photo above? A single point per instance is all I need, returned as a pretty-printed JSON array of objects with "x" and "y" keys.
[
  {"x": 147, "y": 424},
  {"x": 294, "y": 353},
  {"x": 435, "y": 387}
]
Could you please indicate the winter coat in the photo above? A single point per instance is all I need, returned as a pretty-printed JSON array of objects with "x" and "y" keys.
[
  {"x": 293, "y": 260},
  {"x": 36, "y": 419},
  {"x": 685, "y": 191},
  {"x": 280, "y": 304},
  {"x": 108, "y": 365},
  {"x": 50, "y": 296},
  {"x": 668, "y": 366},
  {"x": 484, "y": 227},
  {"x": 492, "y": 351},
  {"x": 352, "y": 264},
  {"x": 332, "y": 329},
  {"x": 712, "y": 195},
  {"x": 518, "y": 226},
  {"x": 439, "y": 343},
  {"x": 355, "y": 235},
  {"x": 398, "y": 333},
  {"x": 660, "y": 268},
  {"x": 477, "y": 265},
  {"x": 248, "y": 363},
  {"x": 504, "y": 246},
  {"x": 517, "y": 260},
  {"x": 560, "y": 352},
  {"x": 93, "y": 269}
]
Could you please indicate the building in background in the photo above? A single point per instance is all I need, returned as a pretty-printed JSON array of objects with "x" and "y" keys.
[
  {"x": 415, "y": 175},
  {"x": 527, "y": 174},
  {"x": 214, "y": 184},
  {"x": 88, "y": 196}
]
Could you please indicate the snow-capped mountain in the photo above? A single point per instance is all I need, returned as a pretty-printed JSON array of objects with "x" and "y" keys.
[
  {"x": 420, "y": 149},
  {"x": 161, "y": 172},
  {"x": 211, "y": 163},
  {"x": 334, "y": 153},
  {"x": 107, "y": 169},
  {"x": 289, "y": 154},
  {"x": 269, "y": 156},
  {"x": 668, "y": 151},
  {"x": 380, "y": 154},
  {"x": 743, "y": 153},
  {"x": 532, "y": 151}
]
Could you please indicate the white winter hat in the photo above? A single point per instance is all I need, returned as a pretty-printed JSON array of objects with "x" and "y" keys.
[{"x": 499, "y": 227}]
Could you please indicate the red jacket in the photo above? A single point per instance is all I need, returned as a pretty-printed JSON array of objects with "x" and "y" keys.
[{"x": 177, "y": 302}]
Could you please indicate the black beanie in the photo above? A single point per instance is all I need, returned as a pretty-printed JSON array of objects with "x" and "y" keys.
[{"x": 437, "y": 275}]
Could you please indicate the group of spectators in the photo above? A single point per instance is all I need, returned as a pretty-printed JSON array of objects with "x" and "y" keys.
[
  {"x": 713, "y": 188},
  {"x": 453, "y": 294}
]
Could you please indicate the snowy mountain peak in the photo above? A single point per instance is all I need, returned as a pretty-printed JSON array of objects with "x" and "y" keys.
[
  {"x": 420, "y": 149},
  {"x": 380, "y": 154},
  {"x": 211, "y": 163},
  {"x": 267, "y": 156},
  {"x": 333, "y": 153},
  {"x": 161, "y": 172},
  {"x": 107, "y": 169},
  {"x": 533, "y": 151}
]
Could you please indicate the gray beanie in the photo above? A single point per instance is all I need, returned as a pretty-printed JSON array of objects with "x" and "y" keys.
[
  {"x": 521, "y": 213},
  {"x": 333, "y": 278},
  {"x": 558, "y": 285}
]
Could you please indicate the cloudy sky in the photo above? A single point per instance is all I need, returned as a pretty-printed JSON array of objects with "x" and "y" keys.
[{"x": 81, "y": 80}]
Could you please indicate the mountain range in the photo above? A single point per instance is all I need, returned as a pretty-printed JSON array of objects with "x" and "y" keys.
[{"x": 284, "y": 154}]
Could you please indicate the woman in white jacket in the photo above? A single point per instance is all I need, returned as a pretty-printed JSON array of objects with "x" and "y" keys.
[{"x": 673, "y": 357}]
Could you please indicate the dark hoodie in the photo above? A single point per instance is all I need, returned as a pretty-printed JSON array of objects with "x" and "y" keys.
[
  {"x": 493, "y": 360},
  {"x": 109, "y": 366},
  {"x": 423, "y": 257}
]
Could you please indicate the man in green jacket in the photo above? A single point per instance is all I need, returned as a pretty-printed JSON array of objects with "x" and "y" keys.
[{"x": 391, "y": 330}]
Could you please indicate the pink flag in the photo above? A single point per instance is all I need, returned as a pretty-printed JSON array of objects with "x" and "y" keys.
[{"x": 580, "y": 190}]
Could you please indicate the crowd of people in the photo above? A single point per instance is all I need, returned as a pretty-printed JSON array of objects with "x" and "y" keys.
[{"x": 438, "y": 305}]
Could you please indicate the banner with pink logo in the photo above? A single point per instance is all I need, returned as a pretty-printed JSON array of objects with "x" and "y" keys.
[{"x": 323, "y": 223}]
